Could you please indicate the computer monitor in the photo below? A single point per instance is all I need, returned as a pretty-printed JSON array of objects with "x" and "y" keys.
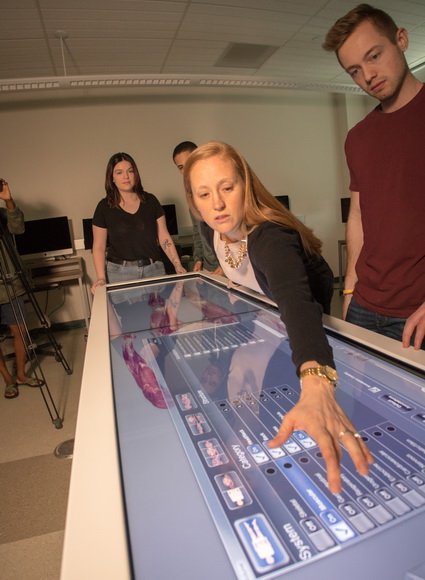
[
  {"x": 284, "y": 200},
  {"x": 45, "y": 238}
]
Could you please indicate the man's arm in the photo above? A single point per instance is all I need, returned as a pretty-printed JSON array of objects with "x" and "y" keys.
[{"x": 354, "y": 238}]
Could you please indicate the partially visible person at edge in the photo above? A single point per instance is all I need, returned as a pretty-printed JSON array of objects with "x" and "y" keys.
[
  {"x": 385, "y": 278},
  {"x": 261, "y": 245},
  {"x": 128, "y": 228},
  {"x": 203, "y": 254},
  {"x": 12, "y": 306}
]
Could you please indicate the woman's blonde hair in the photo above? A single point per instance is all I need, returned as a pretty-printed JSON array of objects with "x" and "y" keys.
[{"x": 259, "y": 204}]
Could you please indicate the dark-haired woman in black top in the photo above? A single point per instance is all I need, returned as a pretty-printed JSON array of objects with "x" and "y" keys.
[{"x": 129, "y": 228}]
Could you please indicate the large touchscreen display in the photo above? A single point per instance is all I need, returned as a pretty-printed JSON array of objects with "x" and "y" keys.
[{"x": 220, "y": 365}]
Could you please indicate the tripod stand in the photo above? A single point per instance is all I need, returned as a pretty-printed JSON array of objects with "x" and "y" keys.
[{"x": 15, "y": 281}]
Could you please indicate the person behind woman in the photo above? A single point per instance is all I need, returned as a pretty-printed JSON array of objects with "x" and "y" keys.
[
  {"x": 203, "y": 255},
  {"x": 261, "y": 245},
  {"x": 130, "y": 221}
]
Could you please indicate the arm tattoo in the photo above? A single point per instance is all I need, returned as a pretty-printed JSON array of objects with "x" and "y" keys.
[{"x": 168, "y": 248}]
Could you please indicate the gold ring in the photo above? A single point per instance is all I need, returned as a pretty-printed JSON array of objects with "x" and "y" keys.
[
  {"x": 354, "y": 434},
  {"x": 342, "y": 433}
]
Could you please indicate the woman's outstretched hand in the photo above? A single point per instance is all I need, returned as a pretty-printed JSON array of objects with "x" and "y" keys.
[{"x": 318, "y": 413}]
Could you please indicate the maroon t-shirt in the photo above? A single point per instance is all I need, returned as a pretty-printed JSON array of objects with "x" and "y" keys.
[{"x": 386, "y": 157}]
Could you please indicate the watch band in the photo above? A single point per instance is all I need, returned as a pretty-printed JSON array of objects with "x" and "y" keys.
[{"x": 326, "y": 372}]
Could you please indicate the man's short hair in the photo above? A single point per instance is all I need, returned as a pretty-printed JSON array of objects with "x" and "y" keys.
[
  {"x": 184, "y": 146},
  {"x": 346, "y": 25}
]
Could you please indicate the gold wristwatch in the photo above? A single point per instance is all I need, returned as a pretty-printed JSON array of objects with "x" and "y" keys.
[{"x": 326, "y": 371}]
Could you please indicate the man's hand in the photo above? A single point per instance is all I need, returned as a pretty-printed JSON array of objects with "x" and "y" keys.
[{"x": 415, "y": 322}]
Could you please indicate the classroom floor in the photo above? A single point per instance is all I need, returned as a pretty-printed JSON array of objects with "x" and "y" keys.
[{"x": 33, "y": 481}]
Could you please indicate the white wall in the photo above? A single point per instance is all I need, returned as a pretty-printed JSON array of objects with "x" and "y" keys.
[
  {"x": 54, "y": 148},
  {"x": 357, "y": 108}
]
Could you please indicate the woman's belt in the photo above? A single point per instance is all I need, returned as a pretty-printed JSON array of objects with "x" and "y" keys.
[{"x": 139, "y": 263}]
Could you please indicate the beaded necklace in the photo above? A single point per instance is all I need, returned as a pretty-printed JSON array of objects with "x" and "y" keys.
[{"x": 235, "y": 263}]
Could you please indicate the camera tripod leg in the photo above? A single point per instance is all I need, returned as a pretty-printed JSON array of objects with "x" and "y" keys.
[
  {"x": 57, "y": 348},
  {"x": 9, "y": 258}
]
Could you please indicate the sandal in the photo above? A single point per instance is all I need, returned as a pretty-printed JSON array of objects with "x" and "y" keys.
[
  {"x": 31, "y": 383},
  {"x": 11, "y": 391}
]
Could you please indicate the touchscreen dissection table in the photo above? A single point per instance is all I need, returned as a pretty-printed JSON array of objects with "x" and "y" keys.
[{"x": 202, "y": 369}]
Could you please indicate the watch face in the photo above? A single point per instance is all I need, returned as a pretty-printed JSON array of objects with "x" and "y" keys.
[{"x": 331, "y": 373}]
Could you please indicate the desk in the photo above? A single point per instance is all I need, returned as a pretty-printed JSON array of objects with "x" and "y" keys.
[
  {"x": 44, "y": 273},
  {"x": 372, "y": 529}
]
